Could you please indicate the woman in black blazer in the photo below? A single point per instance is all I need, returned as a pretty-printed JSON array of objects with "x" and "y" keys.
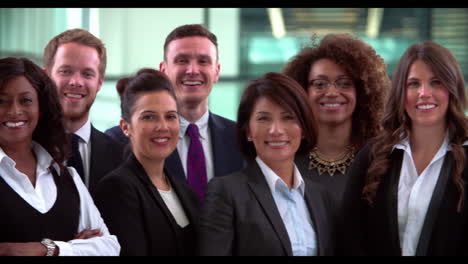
[
  {"x": 269, "y": 208},
  {"x": 149, "y": 211},
  {"x": 406, "y": 193}
]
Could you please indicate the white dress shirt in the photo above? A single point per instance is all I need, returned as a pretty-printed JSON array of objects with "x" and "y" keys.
[
  {"x": 43, "y": 197},
  {"x": 293, "y": 210},
  {"x": 205, "y": 138},
  {"x": 84, "y": 146},
  {"x": 415, "y": 194}
]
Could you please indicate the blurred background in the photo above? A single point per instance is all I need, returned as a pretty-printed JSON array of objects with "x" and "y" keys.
[{"x": 252, "y": 41}]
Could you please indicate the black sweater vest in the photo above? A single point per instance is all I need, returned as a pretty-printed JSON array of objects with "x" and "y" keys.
[{"x": 20, "y": 222}]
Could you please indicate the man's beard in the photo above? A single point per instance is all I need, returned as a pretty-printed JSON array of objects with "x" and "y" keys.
[{"x": 77, "y": 115}]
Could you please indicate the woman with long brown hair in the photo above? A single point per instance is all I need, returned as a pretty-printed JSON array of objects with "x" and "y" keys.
[{"x": 406, "y": 190}]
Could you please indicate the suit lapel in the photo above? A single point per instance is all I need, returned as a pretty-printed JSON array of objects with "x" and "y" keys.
[
  {"x": 434, "y": 205},
  {"x": 317, "y": 212},
  {"x": 188, "y": 202},
  {"x": 259, "y": 187},
  {"x": 174, "y": 165},
  {"x": 219, "y": 155},
  {"x": 392, "y": 200},
  {"x": 95, "y": 157},
  {"x": 140, "y": 173}
]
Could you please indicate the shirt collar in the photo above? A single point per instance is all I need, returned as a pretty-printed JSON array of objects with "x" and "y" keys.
[
  {"x": 273, "y": 180},
  {"x": 84, "y": 132},
  {"x": 202, "y": 125},
  {"x": 404, "y": 145},
  {"x": 44, "y": 159}
]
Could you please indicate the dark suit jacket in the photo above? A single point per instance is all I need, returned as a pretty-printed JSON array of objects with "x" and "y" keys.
[
  {"x": 226, "y": 155},
  {"x": 135, "y": 212},
  {"x": 240, "y": 217},
  {"x": 117, "y": 134},
  {"x": 106, "y": 155},
  {"x": 374, "y": 230}
]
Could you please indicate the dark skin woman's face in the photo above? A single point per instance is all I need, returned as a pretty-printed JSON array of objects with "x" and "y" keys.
[{"x": 19, "y": 112}]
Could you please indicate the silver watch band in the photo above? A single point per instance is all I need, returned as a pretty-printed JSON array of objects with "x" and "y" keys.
[{"x": 50, "y": 245}]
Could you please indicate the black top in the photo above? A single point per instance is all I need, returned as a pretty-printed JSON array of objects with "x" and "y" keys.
[
  {"x": 335, "y": 184},
  {"x": 20, "y": 222}
]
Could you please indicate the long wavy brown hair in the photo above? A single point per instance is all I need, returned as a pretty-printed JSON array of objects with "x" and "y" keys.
[
  {"x": 366, "y": 68},
  {"x": 396, "y": 122}
]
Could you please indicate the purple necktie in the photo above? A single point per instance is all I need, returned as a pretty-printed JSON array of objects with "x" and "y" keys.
[{"x": 196, "y": 166}]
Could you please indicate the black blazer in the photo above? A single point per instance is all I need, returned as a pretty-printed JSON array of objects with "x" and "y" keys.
[
  {"x": 373, "y": 230},
  {"x": 106, "y": 155},
  {"x": 226, "y": 155},
  {"x": 240, "y": 217},
  {"x": 135, "y": 212}
]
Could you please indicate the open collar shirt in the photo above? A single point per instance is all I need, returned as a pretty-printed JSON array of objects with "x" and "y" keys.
[
  {"x": 293, "y": 210},
  {"x": 415, "y": 194},
  {"x": 205, "y": 138}
]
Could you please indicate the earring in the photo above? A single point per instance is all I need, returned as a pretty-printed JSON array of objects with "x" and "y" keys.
[{"x": 249, "y": 138}]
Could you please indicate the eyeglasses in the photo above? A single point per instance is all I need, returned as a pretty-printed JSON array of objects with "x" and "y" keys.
[{"x": 323, "y": 84}]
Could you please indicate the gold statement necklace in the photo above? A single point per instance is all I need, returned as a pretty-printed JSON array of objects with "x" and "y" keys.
[{"x": 317, "y": 160}]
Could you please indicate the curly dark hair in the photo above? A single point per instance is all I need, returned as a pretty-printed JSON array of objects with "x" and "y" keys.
[
  {"x": 50, "y": 130},
  {"x": 285, "y": 92},
  {"x": 397, "y": 124},
  {"x": 367, "y": 69}
]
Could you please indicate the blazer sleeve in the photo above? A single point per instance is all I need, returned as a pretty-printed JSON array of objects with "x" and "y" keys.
[
  {"x": 216, "y": 221},
  {"x": 121, "y": 208},
  {"x": 350, "y": 226}
]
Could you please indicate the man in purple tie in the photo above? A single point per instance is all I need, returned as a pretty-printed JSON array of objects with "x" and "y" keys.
[{"x": 207, "y": 145}]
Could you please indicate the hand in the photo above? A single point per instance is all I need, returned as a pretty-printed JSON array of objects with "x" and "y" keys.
[
  {"x": 22, "y": 249},
  {"x": 89, "y": 233}
]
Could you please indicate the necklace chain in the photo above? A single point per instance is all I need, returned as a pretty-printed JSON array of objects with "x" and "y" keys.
[{"x": 331, "y": 166}]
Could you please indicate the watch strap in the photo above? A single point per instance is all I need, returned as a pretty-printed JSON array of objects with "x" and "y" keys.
[{"x": 50, "y": 245}]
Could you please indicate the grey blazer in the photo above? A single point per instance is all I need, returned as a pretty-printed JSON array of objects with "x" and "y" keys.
[{"x": 240, "y": 217}]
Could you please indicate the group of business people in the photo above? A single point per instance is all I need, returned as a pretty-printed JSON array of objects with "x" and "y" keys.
[{"x": 327, "y": 158}]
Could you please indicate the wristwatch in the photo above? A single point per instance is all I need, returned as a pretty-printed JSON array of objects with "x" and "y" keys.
[{"x": 50, "y": 245}]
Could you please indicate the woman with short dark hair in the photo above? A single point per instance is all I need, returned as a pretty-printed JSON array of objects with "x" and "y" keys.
[{"x": 268, "y": 208}]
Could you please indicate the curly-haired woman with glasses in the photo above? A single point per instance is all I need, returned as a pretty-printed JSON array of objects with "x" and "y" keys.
[{"x": 346, "y": 83}]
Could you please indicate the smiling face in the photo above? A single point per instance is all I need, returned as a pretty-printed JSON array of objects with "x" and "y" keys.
[
  {"x": 154, "y": 126},
  {"x": 76, "y": 73},
  {"x": 427, "y": 98},
  {"x": 275, "y": 132},
  {"x": 332, "y": 105},
  {"x": 192, "y": 67},
  {"x": 19, "y": 112}
]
